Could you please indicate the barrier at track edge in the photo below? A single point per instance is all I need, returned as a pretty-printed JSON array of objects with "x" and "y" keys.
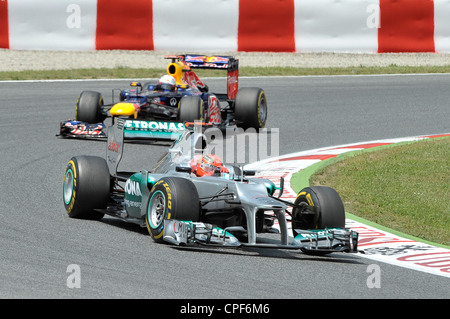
[{"x": 369, "y": 26}]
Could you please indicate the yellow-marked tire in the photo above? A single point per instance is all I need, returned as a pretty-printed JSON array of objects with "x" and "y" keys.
[
  {"x": 171, "y": 198},
  {"x": 250, "y": 108},
  {"x": 318, "y": 207},
  {"x": 86, "y": 187}
]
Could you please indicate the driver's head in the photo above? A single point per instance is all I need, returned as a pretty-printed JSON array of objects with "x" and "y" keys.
[
  {"x": 207, "y": 165},
  {"x": 167, "y": 82}
]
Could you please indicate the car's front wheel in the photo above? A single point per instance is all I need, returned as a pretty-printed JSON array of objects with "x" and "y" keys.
[
  {"x": 171, "y": 198},
  {"x": 89, "y": 107},
  {"x": 190, "y": 109},
  {"x": 318, "y": 207}
]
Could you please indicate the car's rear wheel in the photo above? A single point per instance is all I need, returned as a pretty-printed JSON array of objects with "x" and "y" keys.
[
  {"x": 250, "y": 108},
  {"x": 171, "y": 198},
  {"x": 86, "y": 187},
  {"x": 190, "y": 109},
  {"x": 89, "y": 107},
  {"x": 318, "y": 207}
]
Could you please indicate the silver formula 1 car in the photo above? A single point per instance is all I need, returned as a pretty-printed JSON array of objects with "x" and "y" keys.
[{"x": 225, "y": 210}]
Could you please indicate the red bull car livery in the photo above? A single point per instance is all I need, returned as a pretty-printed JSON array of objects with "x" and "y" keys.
[{"x": 160, "y": 109}]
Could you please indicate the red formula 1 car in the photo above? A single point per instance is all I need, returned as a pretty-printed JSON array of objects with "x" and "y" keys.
[{"x": 159, "y": 110}]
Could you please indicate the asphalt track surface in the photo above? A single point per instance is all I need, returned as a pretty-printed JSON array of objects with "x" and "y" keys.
[{"x": 119, "y": 260}]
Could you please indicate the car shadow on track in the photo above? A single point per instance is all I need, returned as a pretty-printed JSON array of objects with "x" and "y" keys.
[
  {"x": 276, "y": 253},
  {"x": 124, "y": 225}
]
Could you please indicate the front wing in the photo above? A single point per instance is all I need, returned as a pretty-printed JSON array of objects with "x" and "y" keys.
[
  {"x": 133, "y": 129},
  {"x": 79, "y": 129},
  {"x": 309, "y": 241}
]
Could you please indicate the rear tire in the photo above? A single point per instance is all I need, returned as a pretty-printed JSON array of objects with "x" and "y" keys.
[
  {"x": 171, "y": 198},
  {"x": 250, "y": 108},
  {"x": 191, "y": 109},
  {"x": 86, "y": 187},
  {"x": 323, "y": 206},
  {"x": 89, "y": 107}
]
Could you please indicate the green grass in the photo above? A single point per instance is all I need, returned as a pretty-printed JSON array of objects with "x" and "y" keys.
[
  {"x": 132, "y": 73},
  {"x": 102, "y": 73},
  {"x": 405, "y": 187}
]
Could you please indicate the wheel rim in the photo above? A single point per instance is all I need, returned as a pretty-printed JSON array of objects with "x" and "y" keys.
[
  {"x": 68, "y": 186},
  {"x": 157, "y": 209},
  {"x": 301, "y": 221}
]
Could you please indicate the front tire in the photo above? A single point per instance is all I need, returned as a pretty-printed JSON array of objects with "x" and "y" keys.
[
  {"x": 89, "y": 107},
  {"x": 171, "y": 198},
  {"x": 191, "y": 109},
  {"x": 318, "y": 207},
  {"x": 86, "y": 187}
]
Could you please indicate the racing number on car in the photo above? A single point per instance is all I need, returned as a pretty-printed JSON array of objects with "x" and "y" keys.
[{"x": 213, "y": 110}]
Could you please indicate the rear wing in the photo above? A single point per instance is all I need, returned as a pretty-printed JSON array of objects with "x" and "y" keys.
[
  {"x": 195, "y": 61},
  {"x": 191, "y": 140},
  {"x": 181, "y": 66}
]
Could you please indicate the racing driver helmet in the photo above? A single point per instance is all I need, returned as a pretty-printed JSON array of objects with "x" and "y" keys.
[
  {"x": 167, "y": 83},
  {"x": 207, "y": 165}
]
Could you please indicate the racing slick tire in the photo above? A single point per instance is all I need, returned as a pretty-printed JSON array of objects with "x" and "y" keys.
[
  {"x": 171, "y": 198},
  {"x": 250, "y": 108},
  {"x": 317, "y": 207},
  {"x": 89, "y": 106},
  {"x": 190, "y": 109},
  {"x": 86, "y": 187}
]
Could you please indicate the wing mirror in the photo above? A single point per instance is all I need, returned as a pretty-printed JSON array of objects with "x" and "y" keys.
[
  {"x": 281, "y": 187},
  {"x": 138, "y": 85}
]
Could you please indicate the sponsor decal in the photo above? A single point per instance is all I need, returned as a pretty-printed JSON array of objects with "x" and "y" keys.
[
  {"x": 383, "y": 246},
  {"x": 113, "y": 146},
  {"x": 232, "y": 84},
  {"x": 205, "y": 61},
  {"x": 132, "y": 203},
  {"x": 154, "y": 125},
  {"x": 132, "y": 188},
  {"x": 439, "y": 260},
  {"x": 214, "y": 110},
  {"x": 173, "y": 102},
  {"x": 217, "y": 59},
  {"x": 80, "y": 128},
  {"x": 195, "y": 58},
  {"x": 193, "y": 80},
  {"x": 169, "y": 198}
]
